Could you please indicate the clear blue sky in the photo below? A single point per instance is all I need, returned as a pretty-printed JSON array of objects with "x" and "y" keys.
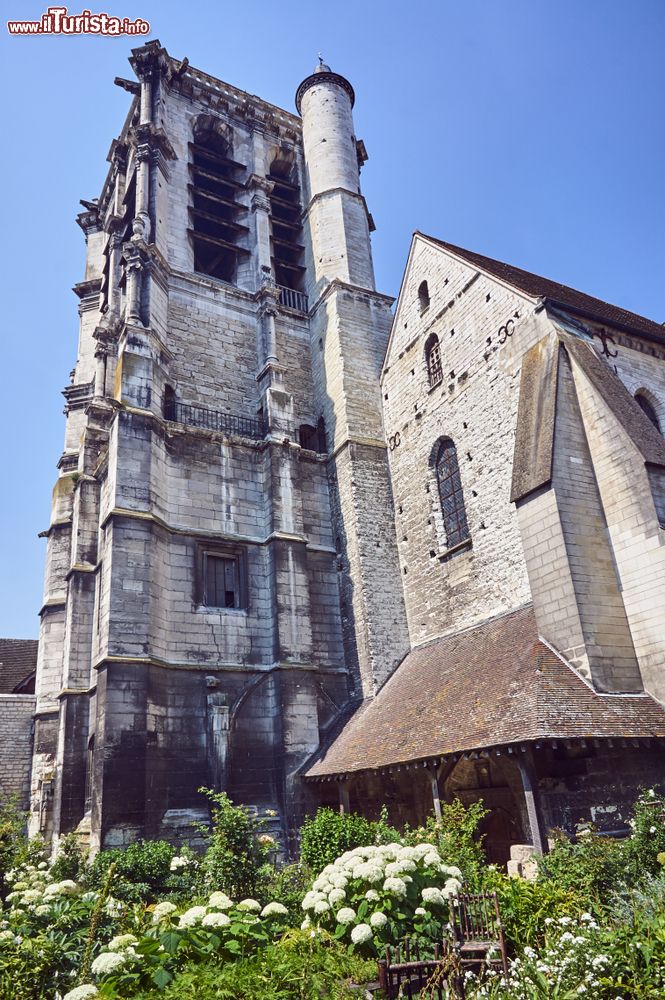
[{"x": 529, "y": 130}]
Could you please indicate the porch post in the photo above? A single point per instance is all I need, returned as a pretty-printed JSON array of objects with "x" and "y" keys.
[
  {"x": 529, "y": 787},
  {"x": 343, "y": 789},
  {"x": 436, "y": 797}
]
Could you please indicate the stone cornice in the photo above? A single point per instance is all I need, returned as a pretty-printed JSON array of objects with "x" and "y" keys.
[
  {"x": 208, "y": 667},
  {"x": 87, "y": 289}
]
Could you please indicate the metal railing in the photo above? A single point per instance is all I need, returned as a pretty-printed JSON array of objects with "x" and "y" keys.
[
  {"x": 214, "y": 420},
  {"x": 293, "y": 299}
]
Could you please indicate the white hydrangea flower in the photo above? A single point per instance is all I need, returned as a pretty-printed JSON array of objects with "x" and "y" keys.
[
  {"x": 274, "y": 910},
  {"x": 161, "y": 911},
  {"x": 107, "y": 962},
  {"x": 194, "y": 915},
  {"x": 408, "y": 854},
  {"x": 321, "y": 906},
  {"x": 65, "y": 888},
  {"x": 421, "y": 850},
  {"x": 85, "y": 992},
  {"x": 31, "y": 896},
  {"x": 6, "y": 936},
  {"x": 215, "y": 920},
  {"x": 372, "y": 895},
  {"x": 452, "y": 887},
  {"x": 339, "y": 881},
  {"x": 305, "y": 925},
  {"x": 395, "y": 885},
  {"x": 220, "y": 901},
  {"x": 378, "y": 919},
  {"x": 336, "y": 896},
  {"x": 346, "y": 915},
  {"x": 121, "y": 941},
  {"x": 420, "y": 912},
  {"x": 453, "y": 871},
  {"x": 43, "y": 910},
  {"x": 361, "y": 933},
  {"x": 180, "y": 861},
  {"x": 251, "y": 905},
  {"x": 432, "y": 895},
  {"x": 432, "y": 860},
  {"x": 43, "y": 865}
]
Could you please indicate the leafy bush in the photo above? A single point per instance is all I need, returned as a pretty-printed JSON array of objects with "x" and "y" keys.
[
  {"x": 456, "y": 836},
  {"x": 15, "y": 848},
  {"x": 374, "y": 895},
  {"x": 527, "y": 908},
  {"x": 142, "y": 871},
  {"x": 238, "y": 848},
  {"x": 288, "y": 885},
  {"x": 328, "y": 834},
  {"x": 70, "y": 860},
  {"x": 591, "y": 867},
  {"x": 298, "y": 967},
  {"x": 647, "y": 840}
]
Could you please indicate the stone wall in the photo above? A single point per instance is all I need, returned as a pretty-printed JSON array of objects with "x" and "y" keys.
[{"x": 16, "y": 736}]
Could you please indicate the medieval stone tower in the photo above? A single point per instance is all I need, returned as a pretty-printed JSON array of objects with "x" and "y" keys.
[{"x": 222, "y": 575}]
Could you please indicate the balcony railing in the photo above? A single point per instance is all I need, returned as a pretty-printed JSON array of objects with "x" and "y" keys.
[
  {"x": 293, "y": 299},
  {"x": 214, "y": 420}
]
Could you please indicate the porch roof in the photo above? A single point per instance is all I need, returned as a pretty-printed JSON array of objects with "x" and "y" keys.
[{"x": 492, "y": 685}]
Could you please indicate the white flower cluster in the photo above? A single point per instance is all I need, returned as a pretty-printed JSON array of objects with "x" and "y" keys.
[
  {"x": 85, "y": 992},
  {"x": 181, "y": 861},
  {"x": 108, "y": 962},
  {"x": 371, "y": 875},
  {"x": 569, "y": 963},
  {"x": 33, "y": 889}
]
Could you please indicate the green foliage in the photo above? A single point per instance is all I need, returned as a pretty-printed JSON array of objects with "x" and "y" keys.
[
  {"x": 526, "y": 907},
  {"x": 591, "y": 867},
  {"x": 142, "y": 870},
  {"x": 71, "y": 859},
  {"x": 647, "y": 841},
  {"x": 14, "y": 848},
  {"x": 287, "y": 886},
  {"x": 298, "y": 967},
  {"x": 456, "y": 838},
  {"x": 235, "y": 860},
  {"x": 328, "y": 834}
]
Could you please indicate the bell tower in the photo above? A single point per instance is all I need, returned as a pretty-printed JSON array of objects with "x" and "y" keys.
[{"x": 350, "y": 324}]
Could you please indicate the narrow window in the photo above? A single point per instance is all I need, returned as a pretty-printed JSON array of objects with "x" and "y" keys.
[
  {"x": 169, "y": 403},
  {"x": 221, "y": 583},
  {"x": 451, "y": 495},
  {"x": 89, "y": 762},
  {"x": 423, "y": 296},
  {"x": 647, "y": 407},
  {"x": 433, "y": 360},
  {"x": 217, "y": 226},
  {"x": 221, "y": 578},
  {"x": 286, "y": 233}
]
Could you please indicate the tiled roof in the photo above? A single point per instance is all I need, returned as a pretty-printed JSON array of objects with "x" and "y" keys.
[
  {"x": 494, "y": 684},
  {"x": 563, "y": 295},
  {"x": 18, "y": 659}
]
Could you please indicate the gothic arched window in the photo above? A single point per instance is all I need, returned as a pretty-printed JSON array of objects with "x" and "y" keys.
[
  {"x": 647, "y": 407},
  {"x": 423, "y": 295},
  {"x": 451, "y": 495},
  {"x": 433, "y": 360}
]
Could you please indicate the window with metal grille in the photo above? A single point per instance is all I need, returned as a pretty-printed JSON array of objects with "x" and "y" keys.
[
  {"x": 433, "y": 359},
  {"x": 451, "y": 495}
]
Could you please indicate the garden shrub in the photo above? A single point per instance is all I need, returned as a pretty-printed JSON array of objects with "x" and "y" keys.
[
  {"x": 142, "y": 871},
  {"x": 238, "y": 848},
  {"x": 328, "y": 834},
  {"x": 374, "y": 895},
  {"x": 526, "y": 907},
  {"x": 590, "y": 867},
  {"x": 288, "y": 885},
  {"x": 15, "y": 848},
  {"x": 298, "y": 967},
  {"x": 647, "y": 840},
  {"x": 70, "y": 861},
  {"x": 456, "y": 836}
]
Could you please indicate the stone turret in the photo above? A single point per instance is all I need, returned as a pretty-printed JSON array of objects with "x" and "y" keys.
[{"x": 350, "y": 323}]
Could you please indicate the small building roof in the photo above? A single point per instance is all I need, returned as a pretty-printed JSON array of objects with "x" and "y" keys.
[
  {"x": 18, "y": 660},
  {"x": 491, "y": 685},
  {"x": 558, "y": 294}
]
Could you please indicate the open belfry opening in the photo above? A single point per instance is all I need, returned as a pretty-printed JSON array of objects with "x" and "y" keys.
[
  {"x": 311, "y": 545},
  {"x": 217, "y": 230}
]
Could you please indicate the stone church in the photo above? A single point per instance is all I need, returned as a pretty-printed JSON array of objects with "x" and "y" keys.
[{"x": 309, "y": 550}]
